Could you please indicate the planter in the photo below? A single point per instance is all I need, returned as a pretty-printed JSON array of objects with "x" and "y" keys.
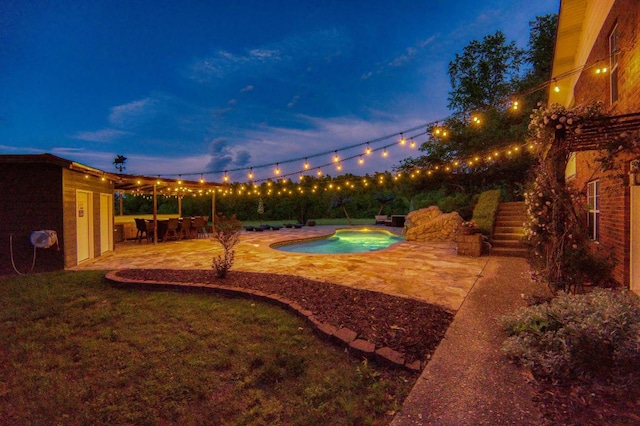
[{"x": 468, "y": 231}]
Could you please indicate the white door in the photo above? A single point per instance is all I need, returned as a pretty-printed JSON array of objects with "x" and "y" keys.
[
  {"x": 635, "y": 239},
  {"x": 83, "y": 223},
  {"x": 106, "y": 223}
]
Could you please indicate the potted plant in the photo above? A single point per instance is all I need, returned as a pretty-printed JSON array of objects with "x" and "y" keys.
[{"x": 468, "y": 228}]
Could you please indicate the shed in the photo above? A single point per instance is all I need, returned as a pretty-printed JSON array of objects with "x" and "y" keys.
[{"x": 46, "y": 192}]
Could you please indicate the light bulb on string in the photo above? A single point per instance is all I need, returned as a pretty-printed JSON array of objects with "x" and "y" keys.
[
  {"x": 179, "y": 179},
  {"x": 368, "y": 150},
  {"x": 360, "y": 160},
  {"x": 306, "y": 164},
  {"x": 515, "y": 105},
  {"x": 250, "y": 175},
  {"x": 335, "y": 157},
  {"x": 385, "y": 153},
  {"x": 225, "y": 178},
  {"x": 277, "y": 170},
  {"x": 201, "y": 178},
  {"x": 412, "y": 144},
  {"x": 402, "y": 139}
]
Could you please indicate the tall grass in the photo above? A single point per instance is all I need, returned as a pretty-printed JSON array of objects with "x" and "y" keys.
[{"x": 74, "y": 350}]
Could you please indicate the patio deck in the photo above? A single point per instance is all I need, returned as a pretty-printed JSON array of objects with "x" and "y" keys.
[{"x": 432, "y": 272}]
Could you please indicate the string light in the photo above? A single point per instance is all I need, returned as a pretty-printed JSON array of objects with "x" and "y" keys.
[
  {"x": 250, "y": 175},
  {"x": 412, "y": 144},
  {"x": 515, "y": 105},
  {"x": 385, "y": 153},
  {"x": 368, "y": 150},
  {"x": 360, "y": 160},
  {"x": 306, "y": 164},
  {"x": 335, "y": 157},
  {"x": 277, "y": 170},
  {"x": 402, "y": 139}
]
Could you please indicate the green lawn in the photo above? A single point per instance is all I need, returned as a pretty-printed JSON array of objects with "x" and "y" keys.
[{"x": 74, "y": 350}]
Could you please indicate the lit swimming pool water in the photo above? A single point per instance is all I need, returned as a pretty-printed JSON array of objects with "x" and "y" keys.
[{"x": 344, "y": 241}]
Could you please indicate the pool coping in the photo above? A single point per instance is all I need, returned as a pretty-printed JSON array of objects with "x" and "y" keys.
[{"x": 343, "y": 337}]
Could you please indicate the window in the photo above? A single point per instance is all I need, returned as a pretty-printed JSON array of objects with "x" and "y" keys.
[
  {"x": 614, "y": 53},
  {"x": 593, "y": 215},
  {"x": 570, "y": 170}
]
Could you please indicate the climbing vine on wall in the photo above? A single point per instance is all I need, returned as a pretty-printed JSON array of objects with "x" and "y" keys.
[{"x": 556, "y": 213}]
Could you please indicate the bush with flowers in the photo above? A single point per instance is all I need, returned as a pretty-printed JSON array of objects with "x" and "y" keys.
[{"x": 555, "y": 211}]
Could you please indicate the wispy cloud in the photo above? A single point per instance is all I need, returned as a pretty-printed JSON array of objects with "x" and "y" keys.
[
  {"x": 103, "y": 135},
  {"x": 408, "y": 57},
  {"x": 319, "y": 45},
  {"x": 248, "y": 88},
  {"x": 134, "y": 113}
]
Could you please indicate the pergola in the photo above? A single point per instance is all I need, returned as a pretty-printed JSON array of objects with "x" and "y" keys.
[
  {"x": 154, "y": 186},
  {"x": 597, "y": 132}
]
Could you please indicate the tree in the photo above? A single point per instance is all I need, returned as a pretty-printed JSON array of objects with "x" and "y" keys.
[
  {"x": 339, "y": 201},
  {"x": 483, "y": 78},
  {"x": 485, "y": 73}
]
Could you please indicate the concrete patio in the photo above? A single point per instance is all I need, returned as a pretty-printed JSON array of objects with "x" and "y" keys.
[{"x": 432, "y": 272}]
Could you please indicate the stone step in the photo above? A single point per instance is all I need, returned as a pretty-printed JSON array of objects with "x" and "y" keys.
[
  {"x": 509, "y": 251},
  {"x": 502, "y": 236},
  {"x": 508, "y": 230},
  {"x": 513, "y": 223}
]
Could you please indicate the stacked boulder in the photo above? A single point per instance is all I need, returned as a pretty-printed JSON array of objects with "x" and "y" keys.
[{"x": 430, "y": 224}]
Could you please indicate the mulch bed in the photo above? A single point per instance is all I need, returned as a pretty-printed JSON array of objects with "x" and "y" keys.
[{"x": 409, "y": 326}]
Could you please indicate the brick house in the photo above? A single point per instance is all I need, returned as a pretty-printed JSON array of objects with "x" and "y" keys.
[{"x": 597, "y": 58}]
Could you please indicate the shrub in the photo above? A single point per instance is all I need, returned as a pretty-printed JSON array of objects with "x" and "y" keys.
[
  {"x": 455, "y": 202},
  {"x": 227, "y": 232},
  {"x": 485, "y": 211},
  {"x": 577, "y": 336}
]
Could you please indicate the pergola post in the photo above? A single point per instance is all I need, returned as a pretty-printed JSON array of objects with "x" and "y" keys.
[
  {"x": 179, "y": 205},
  {"x": 155, "y": 213},
  {"x": 213, "y": 209}
]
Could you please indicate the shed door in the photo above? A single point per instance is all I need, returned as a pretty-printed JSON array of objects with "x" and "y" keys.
[
  {"x": 635, "y": 239},
  {"x": 83, "y": 224},
  {"x": 106, "y": 222}
]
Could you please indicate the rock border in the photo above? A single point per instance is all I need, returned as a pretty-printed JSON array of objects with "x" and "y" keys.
[{"x": 343, "y": 337}]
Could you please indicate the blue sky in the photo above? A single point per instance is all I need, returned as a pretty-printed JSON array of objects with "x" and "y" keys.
[{"x": 185, "y": 87}]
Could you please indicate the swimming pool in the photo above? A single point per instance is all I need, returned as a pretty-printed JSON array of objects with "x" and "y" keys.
[{"x": 344, "y": 241}]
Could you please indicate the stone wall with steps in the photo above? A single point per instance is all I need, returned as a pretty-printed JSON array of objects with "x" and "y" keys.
[{"x": 508, "y": 232}]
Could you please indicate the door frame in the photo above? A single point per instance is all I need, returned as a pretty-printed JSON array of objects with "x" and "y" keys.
[
  {"x": 88, "y": 213},
  {"x": 634, "y": 255}
]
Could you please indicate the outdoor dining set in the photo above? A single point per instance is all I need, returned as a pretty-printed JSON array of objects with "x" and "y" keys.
[{"x": 173, "y": 228}]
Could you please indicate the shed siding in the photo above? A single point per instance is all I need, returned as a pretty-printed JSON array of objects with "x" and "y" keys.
[{"x": 30, "y": 199}]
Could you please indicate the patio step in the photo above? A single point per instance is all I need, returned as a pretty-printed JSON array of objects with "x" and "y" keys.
[{"x": 508, "y": 231}]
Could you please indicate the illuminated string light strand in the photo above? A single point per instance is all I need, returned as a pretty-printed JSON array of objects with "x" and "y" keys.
[{"x": 509, "y": 100}]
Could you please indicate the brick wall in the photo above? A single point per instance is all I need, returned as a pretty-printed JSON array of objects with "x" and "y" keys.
[{"x": 614, "y": 189}]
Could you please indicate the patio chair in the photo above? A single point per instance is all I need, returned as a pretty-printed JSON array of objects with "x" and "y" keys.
[
  {"x": 172, "y": 229},
  {"x": 185, "y": 227},
  {"x": 199, "y": 226},
  {"x": 143, "y": 229}
]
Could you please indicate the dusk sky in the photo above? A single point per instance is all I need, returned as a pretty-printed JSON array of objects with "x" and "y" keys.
[{"x": 188, "y": 87}]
